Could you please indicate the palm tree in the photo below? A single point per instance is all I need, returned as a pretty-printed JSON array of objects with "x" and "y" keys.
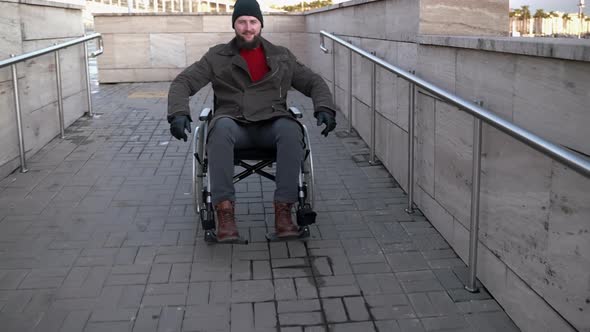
[
  {"x": 526, "y": 14},
  {"x": 552, "y": 15},
  {"x": 566, "y": 18},
  {"x": 539, "y": 16}
]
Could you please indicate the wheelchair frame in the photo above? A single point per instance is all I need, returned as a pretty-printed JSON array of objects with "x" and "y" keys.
[{"x": 203, "y": 205}]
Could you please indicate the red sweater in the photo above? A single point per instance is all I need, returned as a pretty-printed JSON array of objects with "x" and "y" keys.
[{"x": 256, "y": 61}]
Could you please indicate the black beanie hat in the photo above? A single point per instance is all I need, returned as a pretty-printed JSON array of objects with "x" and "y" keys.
[{"x": 246, "y": 8}]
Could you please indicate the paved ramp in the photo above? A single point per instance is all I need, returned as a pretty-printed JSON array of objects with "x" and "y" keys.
[{"x": 100, "y": 235}]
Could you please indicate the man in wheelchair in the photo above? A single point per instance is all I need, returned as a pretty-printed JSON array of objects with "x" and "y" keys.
[{"x": 250, "y": 78}]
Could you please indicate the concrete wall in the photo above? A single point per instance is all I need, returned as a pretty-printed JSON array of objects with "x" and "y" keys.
[
  {"x": 28, "y": 26},
  {"x": 136, "y": 53},
  {"x": 534, "y": 255}
]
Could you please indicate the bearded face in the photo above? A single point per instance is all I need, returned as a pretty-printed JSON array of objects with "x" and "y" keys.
[{"x": 248, "y": 30}]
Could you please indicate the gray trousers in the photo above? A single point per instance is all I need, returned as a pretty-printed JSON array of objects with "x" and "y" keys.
[{"x": 283, "y": 134}]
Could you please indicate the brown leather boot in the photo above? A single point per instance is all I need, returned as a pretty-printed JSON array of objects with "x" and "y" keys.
[
  {"x": 284, "y": 226},
  {"x": 226, "y": 223}
]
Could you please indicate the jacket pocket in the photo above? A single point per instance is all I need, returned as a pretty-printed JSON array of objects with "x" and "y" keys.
[{"x": 279, "y": 107}]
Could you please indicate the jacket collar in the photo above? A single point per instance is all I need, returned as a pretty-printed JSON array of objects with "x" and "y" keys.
[{"x": 231, "y": 48}]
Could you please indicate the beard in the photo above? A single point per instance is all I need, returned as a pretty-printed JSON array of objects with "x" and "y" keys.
[{"x": 249, "y": 45}]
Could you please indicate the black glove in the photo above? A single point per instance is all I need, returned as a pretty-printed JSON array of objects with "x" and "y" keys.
[
  {"x": 327, "y": 118},
  {"x": 178, "y": 125}
]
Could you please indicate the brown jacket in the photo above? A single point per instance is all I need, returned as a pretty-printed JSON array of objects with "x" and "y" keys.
[{"x": 235, "y": 94}]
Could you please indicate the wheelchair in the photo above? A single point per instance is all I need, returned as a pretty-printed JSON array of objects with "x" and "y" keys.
[{"x": 253, "y": 162}]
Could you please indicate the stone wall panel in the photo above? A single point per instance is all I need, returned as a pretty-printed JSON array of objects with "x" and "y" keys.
[
  {"x": 454, "y": 17},
  {"x": 453, "y": 155},
  {"x": 40, "y": 22},
  {"x": 552, "y": 95},
  {"x": 160, "y": 23},
  {"x": 425, "y": 142},
  {"x": 167, "y": 50},
  {"x": 489, "y": 78},
  {"x": 10, "y": 39}
]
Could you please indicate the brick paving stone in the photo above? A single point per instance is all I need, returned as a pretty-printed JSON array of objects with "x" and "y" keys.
[
  {"x": 285, "y": 289},
  {"x": 10, "y": 279},
  {"x": 478, "y": 306},
  {"x": 298, "y": 306},
  {"x": 491, "y": 321},
  {"x": 110, "y": 230},
  {"x": 171, "y": 319},
  {"x": 242, "y": 317},
  {"x": 401, "y": 325},
  {"x": 113, "y": 315},
  {"x": 306, "y": 288},
  {"x": 300, "y": 318},
  {"x": 108, "y": 326},
  {"x": 334, "y": 310},
  {"x": 265, "y": 315},
  {"x": 382, "y": 283},
  {"x": 261, "y": 270},
  {"x": 207, "y": 317},
  {"x": 352, "y": 327},
  {"x": 75, "y": 321},
  {"x": 356, "y": 308},
  {"x": 432, "y": 304},
  {"x": 147, "y": 319},
  {"x": 454, "y": 322},
  {"x": 252, "y": 291}
]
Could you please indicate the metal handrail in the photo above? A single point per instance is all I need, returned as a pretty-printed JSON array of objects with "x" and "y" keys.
[
  {"x": 14, "y": 60},
  {"x": 556, "y": 152}
]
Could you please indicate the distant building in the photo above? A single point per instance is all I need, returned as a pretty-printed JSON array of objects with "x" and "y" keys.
[{"x": 557, "y": 23}]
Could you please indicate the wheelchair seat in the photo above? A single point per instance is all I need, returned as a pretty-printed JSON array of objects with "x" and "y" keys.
[{"x": 254, "y": 154}]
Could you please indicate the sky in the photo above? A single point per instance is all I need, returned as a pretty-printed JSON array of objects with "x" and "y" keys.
[{"x": 570, "y": 6}]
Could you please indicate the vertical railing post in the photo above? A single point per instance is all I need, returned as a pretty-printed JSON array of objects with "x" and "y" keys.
[
  {"x": 411, "y": 120},
  {"x": 87, "y": 70},
  {"x": 60, "y": 102},
  {"x": 373, "y": 109},
  {"x": 475, "y": 191},
  {"x": 334, "y": 71},
  {"x": 181, "y": 4},
  {"x": 350, "y": 91},
  {"x": 19, "y": 121}
]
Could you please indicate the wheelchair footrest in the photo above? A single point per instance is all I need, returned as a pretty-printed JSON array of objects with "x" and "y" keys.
[
  {"x": 304, "y": 233},
  {"x": 210, "y": 238},
  {"x": 305, "y": 216},
  {"x": 207, "y": 219}
]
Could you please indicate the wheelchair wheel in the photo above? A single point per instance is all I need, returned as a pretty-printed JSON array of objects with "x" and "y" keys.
[
  {"x": 199, "y": 174},
  {"x": 308, "y": 176}
]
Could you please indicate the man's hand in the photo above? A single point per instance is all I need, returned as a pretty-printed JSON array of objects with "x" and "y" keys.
[
  {"x": 178, "y": 125},
  {"x": 328, "y": 119}
]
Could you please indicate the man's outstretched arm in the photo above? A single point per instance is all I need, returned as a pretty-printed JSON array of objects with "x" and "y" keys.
[
  {"x": 314, "y": 86},
  {"x": 186, "y": 84}
]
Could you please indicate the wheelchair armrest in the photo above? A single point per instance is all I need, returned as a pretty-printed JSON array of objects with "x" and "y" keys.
[
  {"x": 295, "y": 112},
  {"x": 206, "y": 114}
]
